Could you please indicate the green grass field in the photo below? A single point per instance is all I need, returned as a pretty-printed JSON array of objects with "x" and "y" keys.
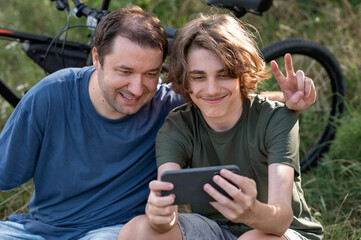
[{"x": 332, "y": 188}]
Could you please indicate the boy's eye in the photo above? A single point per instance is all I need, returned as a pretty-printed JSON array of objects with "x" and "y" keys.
[
  {"x": 197, "y": 78},
  {"x": 223, "y": 76}
]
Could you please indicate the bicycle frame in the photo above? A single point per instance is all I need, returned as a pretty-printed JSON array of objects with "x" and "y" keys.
[
  {"x": 47, "y": 53},
  {"x": 5, "y": 91}
]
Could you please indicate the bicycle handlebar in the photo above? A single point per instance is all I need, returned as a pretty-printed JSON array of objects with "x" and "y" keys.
[
  {"x": 81, "y": 9},
  {"x": 94, "y": 15},
  {"x": 62, "y": 5}
]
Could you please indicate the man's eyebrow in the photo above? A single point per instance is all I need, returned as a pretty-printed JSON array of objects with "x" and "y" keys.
[
  {"x": 129, "y": 68},
  {"x": 125, "y": 67}
]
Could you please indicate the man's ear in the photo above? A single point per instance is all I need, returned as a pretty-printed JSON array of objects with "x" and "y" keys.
[{"x": 95, "y": 56}]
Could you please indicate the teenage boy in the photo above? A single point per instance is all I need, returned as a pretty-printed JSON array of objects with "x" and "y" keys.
[{"x": 215, "y": 66}]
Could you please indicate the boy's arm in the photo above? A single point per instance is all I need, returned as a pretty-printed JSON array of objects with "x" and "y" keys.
[
  {"x": 168, "y": 218},
  {"x": 273, "y": 217}
]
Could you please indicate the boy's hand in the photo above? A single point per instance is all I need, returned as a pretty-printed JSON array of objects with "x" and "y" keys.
[
  {"x": 160, "y": 212},
  {"x": 243, "y": 192},
  {"x": 298, "y": 90}
]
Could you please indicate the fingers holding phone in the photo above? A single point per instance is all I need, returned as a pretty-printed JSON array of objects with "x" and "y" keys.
[
  {"x": 242, "y": 190},
  {"x": 160, "y": 209}
]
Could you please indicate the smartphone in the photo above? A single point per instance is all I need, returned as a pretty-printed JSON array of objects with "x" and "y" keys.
[{"x": 188, "y": 183}]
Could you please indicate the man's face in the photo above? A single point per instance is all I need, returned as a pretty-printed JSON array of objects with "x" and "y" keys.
[
  {"x": 127, "y": 79},
  {"x": 216, "y": 94}
]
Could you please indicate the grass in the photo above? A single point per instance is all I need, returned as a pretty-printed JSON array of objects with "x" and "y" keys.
[
  {"x": 333, "y": 187},
  {"x": 15, "y": 201}
]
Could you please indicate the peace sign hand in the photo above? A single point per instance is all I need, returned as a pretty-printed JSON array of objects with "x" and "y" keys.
[{"x": 298, "y": 90}]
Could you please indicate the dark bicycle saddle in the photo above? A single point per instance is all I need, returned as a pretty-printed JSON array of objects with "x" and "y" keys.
[{"x": 255, "y": 6}]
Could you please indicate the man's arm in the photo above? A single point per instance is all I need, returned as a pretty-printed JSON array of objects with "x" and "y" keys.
[
  {"x": 298, "y": 91},
  {"x": 274, "y": 96}
]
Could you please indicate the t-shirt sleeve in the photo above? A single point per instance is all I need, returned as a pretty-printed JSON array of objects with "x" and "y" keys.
[
  {"x": 282, "y": 138},
  {"x": 20, "y": 142},
  {"x": 173, "y": 142}
]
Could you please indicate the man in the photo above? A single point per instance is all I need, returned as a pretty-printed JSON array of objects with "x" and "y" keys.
[
  {"x": 86, "y": 136},
  {"x": 216, "y": 67}
]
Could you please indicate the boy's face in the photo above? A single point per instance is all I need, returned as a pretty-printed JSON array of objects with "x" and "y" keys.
[
  {"x": 216, "y": 94},
  {"x": 128, "y": 77}
]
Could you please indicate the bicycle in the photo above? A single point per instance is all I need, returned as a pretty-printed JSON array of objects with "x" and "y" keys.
[{"x": 317, "y": 62}]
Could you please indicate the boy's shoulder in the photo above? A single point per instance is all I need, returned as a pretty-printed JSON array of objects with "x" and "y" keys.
[{"x": 264, "y": 107}]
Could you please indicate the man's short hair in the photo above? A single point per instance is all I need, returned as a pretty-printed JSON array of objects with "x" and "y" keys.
[{"x": 133, "y": 23}]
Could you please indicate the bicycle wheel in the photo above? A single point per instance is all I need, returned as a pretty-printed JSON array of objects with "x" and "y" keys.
[{"x": 317, "y": 123}]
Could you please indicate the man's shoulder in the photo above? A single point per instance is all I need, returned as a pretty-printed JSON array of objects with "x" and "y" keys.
[
  {"x": 55, "y": 86},
  {"x": 62, "y": 77},
  {"x": 69, "y": 74}
]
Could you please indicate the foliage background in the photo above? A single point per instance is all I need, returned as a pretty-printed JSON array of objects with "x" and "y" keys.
[{"x": 333, "y": 188}]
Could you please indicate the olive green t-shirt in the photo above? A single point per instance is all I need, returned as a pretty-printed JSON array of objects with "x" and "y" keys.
[{"x": 266, "y": 133}]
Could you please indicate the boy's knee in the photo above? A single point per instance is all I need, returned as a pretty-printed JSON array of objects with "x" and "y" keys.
[
  {"x": 256, "y": 234},
  {"x": 135, "y": 228}
]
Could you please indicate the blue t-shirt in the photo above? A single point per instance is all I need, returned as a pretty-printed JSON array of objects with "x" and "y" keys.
[{"x": 88, "y": 171}]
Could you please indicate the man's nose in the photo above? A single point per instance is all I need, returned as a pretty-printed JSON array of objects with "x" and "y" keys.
[{"x": 135, "y": 85}]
